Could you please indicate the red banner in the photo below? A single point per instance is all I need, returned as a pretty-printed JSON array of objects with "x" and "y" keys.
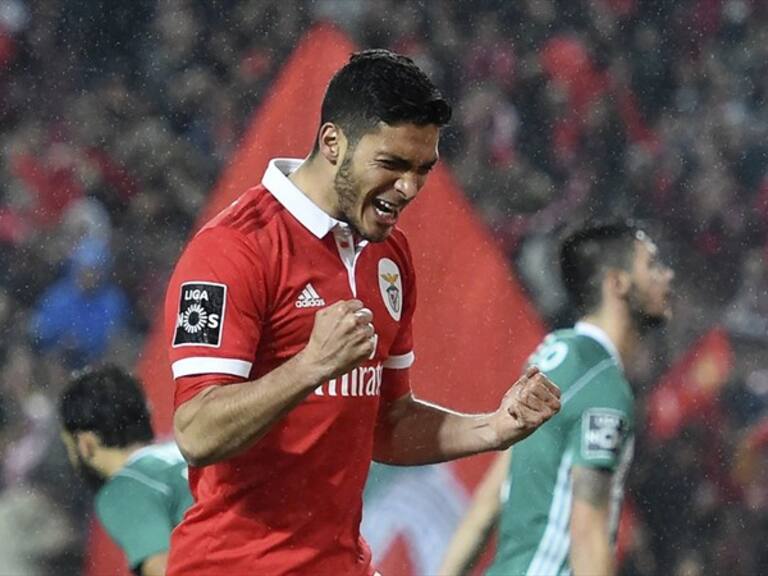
[
  {"x": 474, "y": 327},
  {"x": 689, "y": 389}
]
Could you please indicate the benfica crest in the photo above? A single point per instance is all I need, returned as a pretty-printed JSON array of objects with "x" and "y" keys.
[{"x": 391, "y": 287}]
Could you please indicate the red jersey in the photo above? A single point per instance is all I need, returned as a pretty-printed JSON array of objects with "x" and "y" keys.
[{"x": 242, "y": 301}]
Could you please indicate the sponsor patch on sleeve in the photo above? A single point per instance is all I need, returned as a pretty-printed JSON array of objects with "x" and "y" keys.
[
  {"x": 200, "y": 315},
  {"x": 603, "y": 432}
]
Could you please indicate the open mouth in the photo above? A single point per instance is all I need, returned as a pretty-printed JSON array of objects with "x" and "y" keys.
[{"x": 384, "y": 209}]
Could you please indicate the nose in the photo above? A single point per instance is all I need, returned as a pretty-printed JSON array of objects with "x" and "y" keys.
[{"x": 408, "y": 185}]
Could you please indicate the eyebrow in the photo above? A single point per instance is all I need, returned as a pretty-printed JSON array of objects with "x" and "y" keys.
[{"x": 403, "y": 163}]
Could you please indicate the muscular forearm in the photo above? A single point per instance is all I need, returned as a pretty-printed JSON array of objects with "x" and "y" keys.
[
  {"x": 412, "y": 432},
  {"x": 223, "y": 420}
]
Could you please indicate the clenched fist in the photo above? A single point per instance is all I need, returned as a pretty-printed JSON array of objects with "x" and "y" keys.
[
  {"x": 530, "y": 402},
  {"x": 341, "y": 339}
]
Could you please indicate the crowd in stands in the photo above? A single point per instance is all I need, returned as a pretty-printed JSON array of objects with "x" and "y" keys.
[{"x": 116, "y": 119}]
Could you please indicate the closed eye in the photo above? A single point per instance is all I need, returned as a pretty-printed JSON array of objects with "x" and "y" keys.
[
  {"x": 403, "y": 165},
  {"x": 394, "y": 164}
]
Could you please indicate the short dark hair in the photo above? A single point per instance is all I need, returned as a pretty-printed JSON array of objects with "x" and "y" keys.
[
  {"x": 381, "y": 86},
  {"x": 588, "y": 251},
  {"x": 109, "y": 402}
]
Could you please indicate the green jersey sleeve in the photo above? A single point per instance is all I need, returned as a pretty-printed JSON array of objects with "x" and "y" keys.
[
  {"x": 596, "y": 417},
  {"x": 134, "y": 511},
  {"x": 602, "y": 422}
]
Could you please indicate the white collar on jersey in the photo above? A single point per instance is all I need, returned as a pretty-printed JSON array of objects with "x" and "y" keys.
[
  {"x": 167, "y": 451},
  {"x": 309, "y": 214},
  {"x": 596, "y": 333}
]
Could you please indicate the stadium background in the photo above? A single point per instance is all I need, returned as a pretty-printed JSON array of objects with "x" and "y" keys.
[{"x": 125, "y": 124}]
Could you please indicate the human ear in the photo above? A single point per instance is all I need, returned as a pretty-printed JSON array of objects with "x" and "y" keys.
[
  {"x": 331, "y": 142},
  {"x": 87, "y": 444},
  {"x": 619, "y": 282}
]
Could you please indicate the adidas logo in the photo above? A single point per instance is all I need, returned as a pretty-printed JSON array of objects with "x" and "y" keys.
[{"x": 309, "y": 298}]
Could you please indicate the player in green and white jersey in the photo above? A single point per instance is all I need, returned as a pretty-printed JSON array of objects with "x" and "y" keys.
[
  {"x": 557, "y": 498},
  {"x": 141, "y": 487}
]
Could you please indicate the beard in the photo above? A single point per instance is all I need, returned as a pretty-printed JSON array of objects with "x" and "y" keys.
[
  {"x": 348, "y": 195},
  {"x": 345, "y": 186},
  {"x": 93, "y": 480},
  {"x": 643, "y": 320}
]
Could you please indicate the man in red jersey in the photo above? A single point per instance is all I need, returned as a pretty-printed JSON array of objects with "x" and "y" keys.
[{"x": 289, "y": 319}]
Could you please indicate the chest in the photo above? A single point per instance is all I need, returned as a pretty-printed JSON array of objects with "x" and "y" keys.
[{"x": 311, "y": 275}]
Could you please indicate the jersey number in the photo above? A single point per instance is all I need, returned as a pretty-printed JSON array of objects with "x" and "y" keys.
[{"x": 549, "y": 355}]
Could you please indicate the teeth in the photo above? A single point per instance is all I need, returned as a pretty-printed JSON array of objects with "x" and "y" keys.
[{"x": 385, "y": 206}]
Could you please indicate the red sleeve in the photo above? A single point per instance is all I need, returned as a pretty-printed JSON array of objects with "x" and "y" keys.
[
  {"x": 214, "y": 307},
  {"x": 395, "y": 384},
  {"x": 401, "y": 357}
]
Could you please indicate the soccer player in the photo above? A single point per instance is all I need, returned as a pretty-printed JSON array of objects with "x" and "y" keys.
[
  {"x": 141, "y": 488},
  {"x": 557, "y": 496},
  {"x": 289, "y": 321}
]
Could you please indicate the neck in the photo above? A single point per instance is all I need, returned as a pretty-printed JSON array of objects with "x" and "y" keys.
[
  {"x": 115, "y": 459},
  {"x": 617, "y": 324},
  {"x": 316, "y": 182}
]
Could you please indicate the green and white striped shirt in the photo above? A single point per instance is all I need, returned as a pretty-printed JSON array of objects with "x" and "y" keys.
[{"x": 594, "y": 428}]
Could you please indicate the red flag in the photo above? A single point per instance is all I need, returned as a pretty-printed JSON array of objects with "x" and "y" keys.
[{"x": 690, "y": 387}]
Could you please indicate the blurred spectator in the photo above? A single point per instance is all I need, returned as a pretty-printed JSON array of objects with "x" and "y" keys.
[
  {"x": 747, "y": 313},
  {"x": 35, "y": 536},
  {"x": 80, "y": 314}
]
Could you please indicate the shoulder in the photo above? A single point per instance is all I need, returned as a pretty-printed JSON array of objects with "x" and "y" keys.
[
  {"x": 156, "y": 457},
  {"x": 235, "y": 242},
  {"x": 397, "y": 248},
  {"x": 245, "y": 223},
  {"x": 577, "y": 365},
  {"x": 600, "y": 389},
  {"x": 145, "y": 475},
  {"x": 129, "y": 490},
  {"x": 560, "y": 356},
  {"x": 251, "y": 212},
  {"x": 398, "y": 239}
]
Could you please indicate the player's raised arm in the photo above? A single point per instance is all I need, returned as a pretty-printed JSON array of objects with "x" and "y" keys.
[
  {"x": 412, "y": 432},
  {"x": 220, "y": 421}
]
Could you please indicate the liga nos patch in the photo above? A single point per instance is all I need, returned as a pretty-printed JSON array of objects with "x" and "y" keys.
[
  {"x": 604, "y": 431},
  {"x": 201, "y": 314}
]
